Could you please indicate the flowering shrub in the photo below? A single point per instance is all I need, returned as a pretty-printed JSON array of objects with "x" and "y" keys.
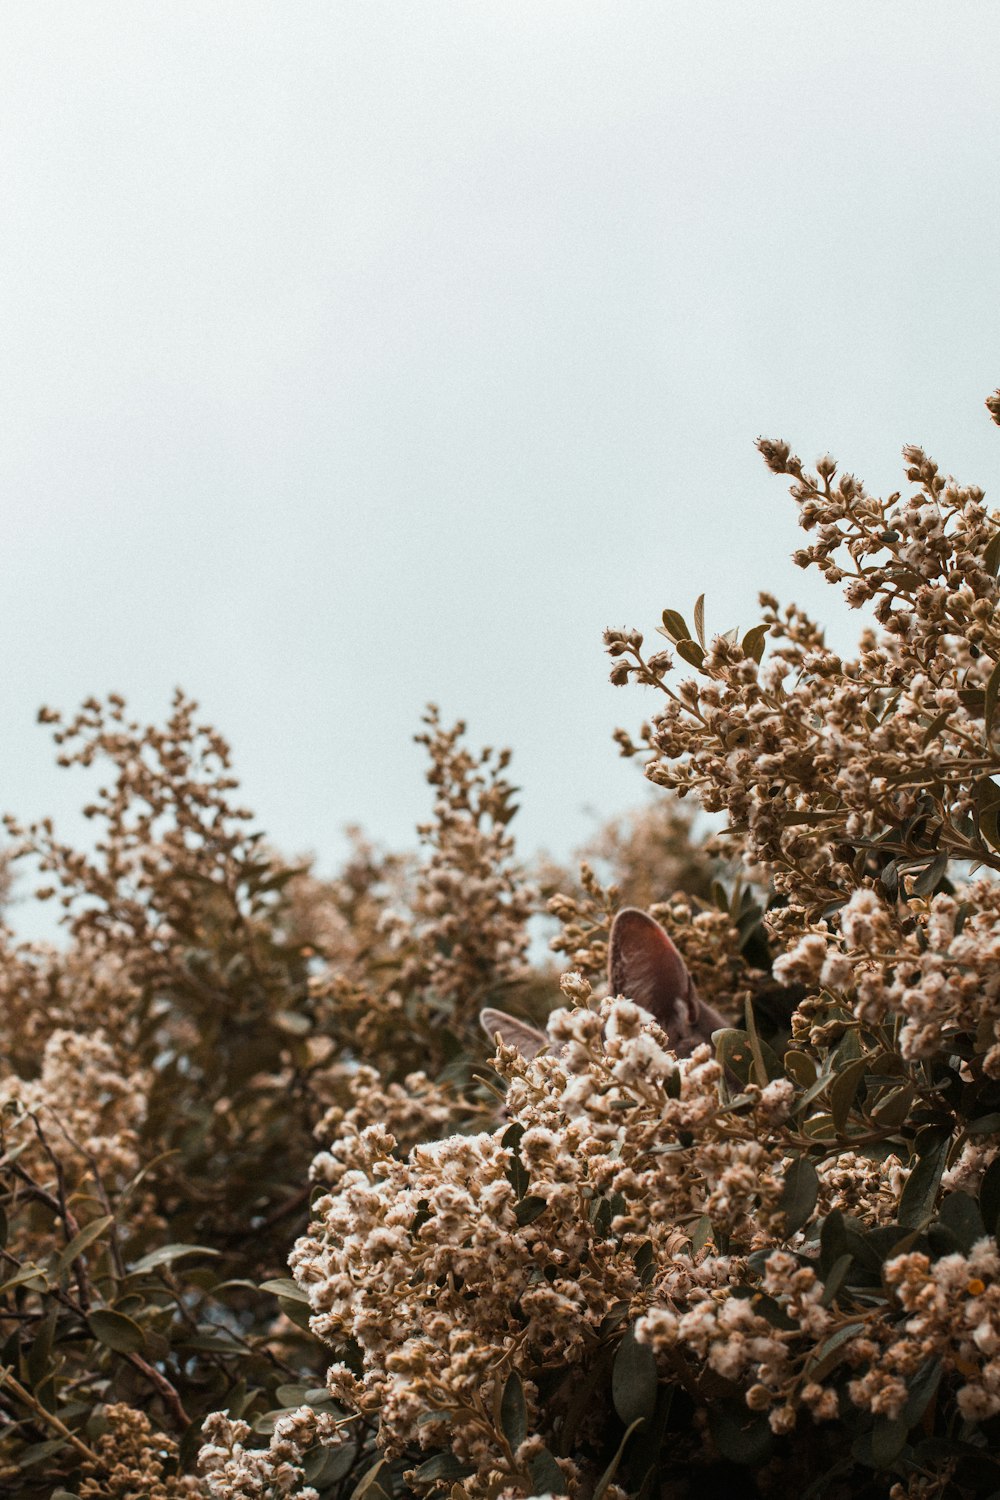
[{"x": 601, "y": 1270}]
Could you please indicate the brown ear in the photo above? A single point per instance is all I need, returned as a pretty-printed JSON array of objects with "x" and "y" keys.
[
  {"x": 644, "y": 965},
  {"x": 513, "y": 1033}
]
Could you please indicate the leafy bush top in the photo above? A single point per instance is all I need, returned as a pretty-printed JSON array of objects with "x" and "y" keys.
[{"x": 602, "y": 1271}]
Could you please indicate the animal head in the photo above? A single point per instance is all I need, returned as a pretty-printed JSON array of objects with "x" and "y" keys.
[{"x": 643, "y": 965}]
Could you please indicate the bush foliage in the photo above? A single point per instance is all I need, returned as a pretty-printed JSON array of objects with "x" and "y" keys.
[{"x": 276, "y": 1222}]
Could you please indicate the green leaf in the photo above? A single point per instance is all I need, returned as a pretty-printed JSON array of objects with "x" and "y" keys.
[
  {"x": 960, "y": 1213},
  {"x": 28, "y": 1457},
  {"x": 766, "y": 1064},
  {"x": 441, "y": 1467},
  {"x": 284, "y": 1286},
  {"x": 989, "y": 708},
  {"x": 753, "y": 642},
  {"x": 844, "y": 1090},
  {"x": 377, "y": 1481},
  {"x": 836, "y": 1277},
  {"x": 741, "y": 1436},
  {"x": 116, "y": 1331},
  {"x": 800, "y": 1068},
  {"x": 167, "y": 1254},
  {"x": 699, "y": 618},
  {"x": 888, "y": 1440},
  {"x": 921, "y": 1388},
  {"x": 936, "y": 724},
  {"x": 546, "y": 1475},
  {"x": 917, "y": 1198},
  {"x": 989, "y": 1197},
  {"x": 733, "y": 1050},
  {"x": 292, "y": 1394},
  {"x": 893, "y": 1108},
  {"x": 29, "y": 1272},
  {"x": 513, "y": 1411},
  {"x": 692, "y": 653},
  {"x": 80, "y": 1241},
  {"x": 529, "y": 1209},
  {"x": 929, "y": 878},
  {"x": 831, "y": 1351},
  {"x": 612, "y": 1468},
  {"x": 799, "y": 1194},
  {"x": 633, "y": 1380},
  {"x": 676, "y": 626},
  {"x": 701, "y": 1233}
]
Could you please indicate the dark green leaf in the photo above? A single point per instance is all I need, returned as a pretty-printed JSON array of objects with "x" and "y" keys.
[
  {"x": 529, "y": 1209},
  {"x": 917, "y": 1199},
  {"x": 633, "y": 1380},
  {"x": 741, "y": 1436},
  {"x": 799, "y": 1194},
  {"x": 989, "y": 1196},
  {"x": 612, "y": 1468},
  {"x": 676, "y": 626},
  {"x": 732, "y": 1048},
  {"x": 692, "y": 653},
  {"x": 28, "y": 1457},
  {"x": 921, "y": 1388},
  {"x": 831, "y": 1351},
  {"x": 116, "y": 1331},
  {"x": 513, "y": 1411},
  {"x": 766, "y": 1064},
  {"x": 844, "y": 1090},
  {"x": 284, "y": 1286},
  {"x": 893, "y": 1108},
  {"x": 929, "y": 879},
  {"x": 753, "y": 642},
  {"x": 167, "y": 1254},
  {"x": 888, "y": 1440},
  {"x": 29, "y": 1272},
  {"x": 80, "y": 1241},
  {"x": 546, "y": 1475},
  {"x": 699, "y": 618},
  {"x": 377, "y": 1481},
  {"x": 933, "y": 727},
  {"x": 960, "y": 1213},
  {"x": 800, "y": 1068},
  {"x": 701, "y": 1233},
  {"x": 835, "y": 1278},
  {"x": 990, "y": 702}
]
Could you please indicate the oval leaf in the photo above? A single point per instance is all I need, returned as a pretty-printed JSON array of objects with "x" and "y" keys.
[
  {"x": 633, "y": 1380},
  {"x": 798, "y": 1197},
  {"x": 86, "y": 1236},
  {"x": 115, "y": 1331},
  {"x": 167, "y": 1254},
  {"x": 513, "y": 1412},
  {"x": 917, "y": 1198}
]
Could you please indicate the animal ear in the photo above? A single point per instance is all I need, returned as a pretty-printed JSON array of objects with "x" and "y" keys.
[
  {"x": 644, "y": 965},
  {"x": 513, "y": 1033}
]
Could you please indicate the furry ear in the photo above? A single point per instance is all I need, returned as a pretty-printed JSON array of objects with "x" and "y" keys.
[
  {"x": 644, "y": 965},
  {"x": 513, "y": 1033}
]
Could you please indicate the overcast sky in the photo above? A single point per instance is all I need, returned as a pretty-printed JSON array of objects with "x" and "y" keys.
[{"x": 358, "y": 354}]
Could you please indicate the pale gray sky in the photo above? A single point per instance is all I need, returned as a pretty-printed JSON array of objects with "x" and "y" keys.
[{"x": 356, "y": 354}]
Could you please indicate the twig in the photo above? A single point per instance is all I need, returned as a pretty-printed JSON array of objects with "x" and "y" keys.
[{"x": 48, "y": 1417}]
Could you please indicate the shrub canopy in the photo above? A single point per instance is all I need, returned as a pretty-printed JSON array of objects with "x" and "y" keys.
[{"x": 274, "y": 1222}]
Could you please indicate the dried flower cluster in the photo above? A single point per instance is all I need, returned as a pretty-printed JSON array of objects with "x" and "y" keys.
[
  {"x": 600, "y": 1270},
  {"x": 800, "y": 1230}
]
